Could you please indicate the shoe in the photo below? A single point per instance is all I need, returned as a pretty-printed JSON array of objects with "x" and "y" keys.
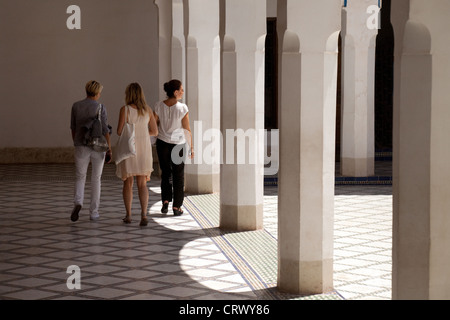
[
  {"x": 177, "y": 212},
  {"x": 127, "y": 219},
  {"x": 165, "y": 207},
  {"x": 94, "y": 218},
  {"x": 74, "y": 216}
]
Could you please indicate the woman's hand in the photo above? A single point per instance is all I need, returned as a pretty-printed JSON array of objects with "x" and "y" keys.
[{"x": 108, "y": 156}]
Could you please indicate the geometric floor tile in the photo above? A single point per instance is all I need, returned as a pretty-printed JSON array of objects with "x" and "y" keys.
[{"x": 185, "y": 257}]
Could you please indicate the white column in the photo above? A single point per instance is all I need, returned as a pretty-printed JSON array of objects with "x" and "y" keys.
[
  {"x": 307, "y": 145},
  {"x": 421, "y": 237},
  {"x": 172, "y": 47},
  {"x": 242, "y": 173},
  {"x": 203, "y": 96},
  {"x": 399, "y": 17},
  {"x": 165, "y": 43},
  {"x": 358, "y": 88},
  {"x": 172, "y": 50},
  {"x": 178, "y": 62}
]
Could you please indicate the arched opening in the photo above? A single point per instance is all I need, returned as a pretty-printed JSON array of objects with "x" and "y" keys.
[
  {"x": 338, "y": 103},
  {"x": 271, "y": 76},
  {"x": 384, "y": 84}
]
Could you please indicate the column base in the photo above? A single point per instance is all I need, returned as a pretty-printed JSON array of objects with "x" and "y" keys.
[
  {"x": 241, "y": 218},
  {"x": 352, "y": 167},
  {"x": 202, "y": 183},
  {"x": 305, "y": 278}
]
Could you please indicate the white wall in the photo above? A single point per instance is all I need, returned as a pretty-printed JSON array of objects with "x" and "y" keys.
[{"x": 44, "y": 65}]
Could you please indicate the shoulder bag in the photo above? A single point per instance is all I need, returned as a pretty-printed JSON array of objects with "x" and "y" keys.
[
  {"x": 126, "y": 145},
  {"x": 95, "y": 139}
]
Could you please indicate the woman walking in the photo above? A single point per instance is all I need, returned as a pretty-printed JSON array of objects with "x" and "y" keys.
[
  {"x": 82, "y": 113},
  {"x": 140, "y": 166},
  {"x": 174, "y": 130}
]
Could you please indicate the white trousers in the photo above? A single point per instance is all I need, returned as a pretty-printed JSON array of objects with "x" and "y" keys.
[{"x": 84, "y": 156}]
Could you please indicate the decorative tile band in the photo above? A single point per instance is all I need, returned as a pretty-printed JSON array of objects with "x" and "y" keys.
[{"x": 253, "y": 253}]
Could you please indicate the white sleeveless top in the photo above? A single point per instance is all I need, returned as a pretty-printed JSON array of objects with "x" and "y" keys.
[{"x": 170, "y": 129}]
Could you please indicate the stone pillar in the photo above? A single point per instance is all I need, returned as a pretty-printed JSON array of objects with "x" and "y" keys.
[
  {"x": 421, "y": 236},
  {"x": 178, "y": 63},
  {"x": 203, "y": 96},
  {"x": 399, "y": 17},
  {"x": 172, "y": 56},
  {"x": 358, "y": 88},
  {"x": 243, "y": 28},
  {"x": 307, "y": 145},
  {"x": 172, "y": 51},
  {"x": 165, "y": 43}
]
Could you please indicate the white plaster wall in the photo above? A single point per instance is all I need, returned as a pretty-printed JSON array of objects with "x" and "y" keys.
[{"x": 44, "y": 66}]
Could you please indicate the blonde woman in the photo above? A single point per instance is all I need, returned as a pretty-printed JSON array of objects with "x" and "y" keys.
[
  {"x": 82, "y": 113},
  {"x": 140, "y": 166}
]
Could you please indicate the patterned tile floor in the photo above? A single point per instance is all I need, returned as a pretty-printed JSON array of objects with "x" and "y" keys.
[{"x": 185, "y": 257}]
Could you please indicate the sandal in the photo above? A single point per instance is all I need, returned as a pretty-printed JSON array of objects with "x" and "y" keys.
[
  {"x": 177, "y": 211},
  {"x": 127, "y": 219},
  {"x": 165, "y": 207},
  {"x": 144, "y": 221}
]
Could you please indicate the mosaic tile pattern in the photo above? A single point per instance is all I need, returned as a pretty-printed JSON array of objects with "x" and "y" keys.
[
  {"x": 185, "y": 257},
  {"x": 382, "y": 176},
  {"x": 363, "y": 242},
  {"x": 171, "y": 258}
]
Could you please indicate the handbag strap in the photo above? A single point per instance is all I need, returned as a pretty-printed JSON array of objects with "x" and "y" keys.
[
  {"x": 99, "y": 112},
  {"x": 128, "y": 113}
]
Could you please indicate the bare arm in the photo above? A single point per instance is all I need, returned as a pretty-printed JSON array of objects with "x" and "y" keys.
[
  {"x": 108, "y": 139},
  {"x": 187, "y": 131},
  {"x": 121, "y": 123},
  {"x": 152, "y": 124}
]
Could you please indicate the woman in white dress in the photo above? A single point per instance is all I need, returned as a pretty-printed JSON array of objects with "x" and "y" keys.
[{"x": 140, "y": 166}]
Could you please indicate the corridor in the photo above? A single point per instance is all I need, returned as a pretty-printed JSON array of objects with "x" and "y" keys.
[{"x": 185, "y": 257}]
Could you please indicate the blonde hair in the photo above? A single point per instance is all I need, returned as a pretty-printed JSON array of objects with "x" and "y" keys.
[
  {"x": 93, "y": 88},
  {"x": 135, "y": 95}
]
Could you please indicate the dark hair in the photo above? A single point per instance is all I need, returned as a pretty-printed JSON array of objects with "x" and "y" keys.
[{"x": 172, "y": 86}]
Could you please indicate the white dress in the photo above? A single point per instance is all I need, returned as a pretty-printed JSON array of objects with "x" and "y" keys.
[{"x": 142, "y": 163}]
